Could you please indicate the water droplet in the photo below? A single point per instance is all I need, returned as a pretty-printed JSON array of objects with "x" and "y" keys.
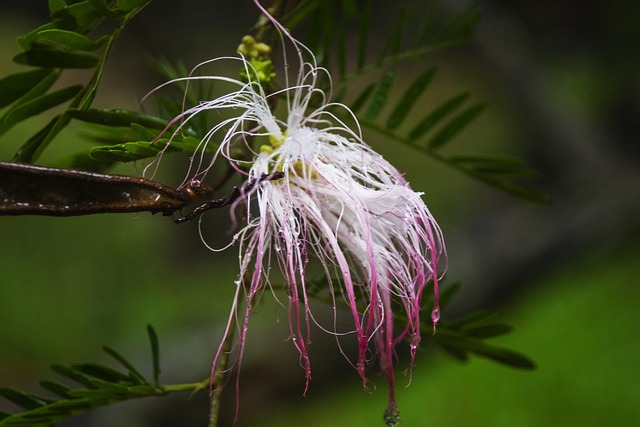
[{"x": 435, "y": 315}]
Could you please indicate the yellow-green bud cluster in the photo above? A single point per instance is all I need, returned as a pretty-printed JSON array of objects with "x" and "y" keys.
[
  {"x": 258, "y": 55},
  {"x": 251, "y": 49}
]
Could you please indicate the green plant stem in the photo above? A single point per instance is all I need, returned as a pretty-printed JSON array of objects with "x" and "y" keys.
[
  {"x": 218, "y": 376},
  {"x": 194, "y": 387}
]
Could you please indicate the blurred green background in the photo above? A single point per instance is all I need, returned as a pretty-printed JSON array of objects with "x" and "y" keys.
[{"x": 563, "y": 87}]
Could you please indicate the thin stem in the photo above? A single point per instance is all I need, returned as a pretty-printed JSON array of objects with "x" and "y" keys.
[
  {"x": 218, "y": 375},
  {"x": 194, "y": 387}
]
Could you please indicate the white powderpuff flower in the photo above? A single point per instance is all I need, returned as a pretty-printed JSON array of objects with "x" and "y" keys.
[{"x": 335, "y": 201}]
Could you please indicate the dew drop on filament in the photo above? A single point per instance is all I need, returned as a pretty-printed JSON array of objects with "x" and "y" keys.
[{"x": 435, "y": 315}]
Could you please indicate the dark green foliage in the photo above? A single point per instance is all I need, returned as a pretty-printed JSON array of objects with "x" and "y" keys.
[
  {"x": 362, "y": 98},
  {"x": 66, "y": 42},
  {"x": 71, "y": 40},
  {"x": 458, "y": 337},
  {"x": 437, "y": 128},
  {"x": 155, "y": 353},
  {"x": 26, "y": 87},
  {"x": 380, "y": 96},
  {"x": 467, "y": 336},
  {"x": 363, "y": 35},
  {"x": 56, "y": 58},
  {"x": 14, "y": 86},
  {"x": 409, "y": 98},
  {"x": 329, "y": 37},
  {"x": 144, "y": 136},
  {"x": 455, "y": 126},
  {"x": 36, "y": 106},
  {"x": 438, "y": 114},
  {"x": 99, "y": 385},
  {"x": 431, "y": 130},
  {"x": 460, "y": 344}
]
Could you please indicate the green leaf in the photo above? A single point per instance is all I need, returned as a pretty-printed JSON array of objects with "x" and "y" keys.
[
  {"x": 494, "y": 164},
  {"x": 408, "y": 100},
  {"x": 27, "y": 41},
  {"x": 73, "y": 405},
  {"x": 105, "y": 9},
  {"x": 81, "y": 16},
  {"x": 138, "y": 150},
  {"x": 23, "y": 399},
  {"x": 505, "y": 356},
  {"x": 93, "y": 394},
  {"x": 455, "y": 126},
  {"x": 144, "y": 149},
  {"x": 520, "y": 190},
  {"x": 56, "y": 6},
  {"x": 72, "y": 40},
  {"x": 133, "y": 372},
  {"x": 56, "y": 58},
  {"x": 361, "y": 50},
  {"x": 13, "y": 86},
  {"x": 298, "y": 13},
  {"x": 498, "y": 172},
  {"x": 393, "y": 44},
  {"x": 380, "y": 96},
  {"x": 39, "y": 88},
  {"x": 36, "y": 106},
  {"x": 340, "y": 94},
  {"x": 55, "y": 387},
  {"x": 101, "y": 372},
  {"x": 168, "y": 107},
  {"x": 457, "y": 353},
  {"x": 111, "y": 390},
  {"x": 458, "y": 28},
  {"x": 425, "y": 24},
  {"x": 127, "y": 152},
  {"x": 113, "y": 154},
  {"x": 72, "y": 374},
  {"x": 155, "y": 352},
  {"x": 480, "y": 348},
  {"x": 143, "y": 133},
  {"x": 117, "y": 117},
  {"x": 362, "y": 98},
  {"x": 127, "y": 5},
  {"x": 26, "y": 151},
  {"x": 437, "y": 115},
  {"x": 473, "y": 319}
]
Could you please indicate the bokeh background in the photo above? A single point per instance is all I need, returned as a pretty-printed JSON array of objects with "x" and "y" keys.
[{"x": 562, "y": 83}]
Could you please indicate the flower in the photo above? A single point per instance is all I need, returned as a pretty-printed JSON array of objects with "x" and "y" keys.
[{"x": 336, "y": 203}]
